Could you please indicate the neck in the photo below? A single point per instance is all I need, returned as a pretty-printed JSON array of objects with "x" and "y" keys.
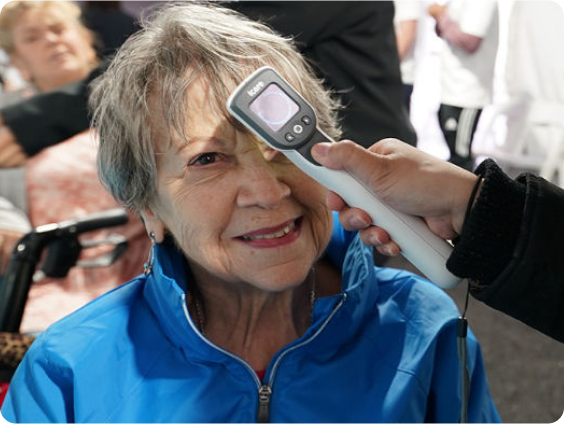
[{"x": 251, "y": 323}]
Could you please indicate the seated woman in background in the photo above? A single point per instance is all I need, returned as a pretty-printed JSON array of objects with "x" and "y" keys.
[
  {"x": 50, "y": 46},
  {"x": 252, "y": 306}
]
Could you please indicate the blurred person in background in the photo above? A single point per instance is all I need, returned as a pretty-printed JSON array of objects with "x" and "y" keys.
[
  {"x": 51, "y": 47},
  {"x": 469, "y": 29},
  {"x": 406, "y": 23}
]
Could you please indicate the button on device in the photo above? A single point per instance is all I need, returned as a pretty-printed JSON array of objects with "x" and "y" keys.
[
  {"x": 306, "y": 120},
  {"x": 289, "y": 137},
  {"x": 298, "y": 129}
]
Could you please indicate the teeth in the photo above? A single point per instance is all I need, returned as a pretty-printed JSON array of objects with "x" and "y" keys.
[{"x": 286, "y": 230}]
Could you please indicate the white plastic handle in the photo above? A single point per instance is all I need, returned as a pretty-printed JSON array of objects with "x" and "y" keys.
[{"x": 418, "y": 244}]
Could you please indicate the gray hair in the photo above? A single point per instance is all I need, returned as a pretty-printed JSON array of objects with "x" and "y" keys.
[{"x": 149, "y": 76}]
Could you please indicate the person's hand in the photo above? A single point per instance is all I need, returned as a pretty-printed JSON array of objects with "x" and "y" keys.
[
  {"x": 11, "y": 153},
  {"x": 436, "y": 10},
  {"x": 8, "y": 240},
  {"x": 405, "y": 178}
]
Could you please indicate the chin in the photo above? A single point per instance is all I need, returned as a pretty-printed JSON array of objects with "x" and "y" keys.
[{"x": 281, "y": 280}]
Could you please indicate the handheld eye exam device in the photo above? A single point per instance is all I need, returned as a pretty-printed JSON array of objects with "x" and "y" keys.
[{"x": 268, "y": 106}]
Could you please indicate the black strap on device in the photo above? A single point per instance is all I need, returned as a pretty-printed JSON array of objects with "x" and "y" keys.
[
  {"x": 461, "y": 332},
  {"x": 462, "y": 324}
]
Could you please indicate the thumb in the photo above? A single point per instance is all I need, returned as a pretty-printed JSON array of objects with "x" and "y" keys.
[{"x": 363, "y": 164}]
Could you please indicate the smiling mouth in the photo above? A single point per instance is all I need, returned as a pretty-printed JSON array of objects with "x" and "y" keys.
[
  {"x": 291, "y": 226},
  {"x": 59, "y": 54}
]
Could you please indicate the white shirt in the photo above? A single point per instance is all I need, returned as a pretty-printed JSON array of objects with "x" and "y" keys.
[
  {"x": 467, "y": 78},
  {"x": 408, "y": 10}
]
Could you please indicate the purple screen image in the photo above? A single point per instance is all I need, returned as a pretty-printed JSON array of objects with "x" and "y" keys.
[{"x": 274, "y": 107}]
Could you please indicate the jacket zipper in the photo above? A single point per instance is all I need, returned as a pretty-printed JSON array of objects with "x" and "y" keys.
[
  {"x": 263, "y": 414},
  {"x": 264, "y": 389}
]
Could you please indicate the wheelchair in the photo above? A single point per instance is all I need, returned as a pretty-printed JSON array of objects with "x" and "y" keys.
[{"x": 49, "y": 250}]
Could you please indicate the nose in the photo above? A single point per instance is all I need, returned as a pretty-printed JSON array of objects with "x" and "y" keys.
[{"x": 260, "y": 184}]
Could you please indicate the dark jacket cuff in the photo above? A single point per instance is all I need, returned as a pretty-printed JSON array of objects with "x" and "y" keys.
[{"x": 490, "y": 232}]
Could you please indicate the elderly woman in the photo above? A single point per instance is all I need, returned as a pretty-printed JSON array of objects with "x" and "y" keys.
[{"x": 251, "y": 306}]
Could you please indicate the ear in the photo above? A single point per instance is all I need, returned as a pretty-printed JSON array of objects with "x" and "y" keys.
[{"x": 153, "y": 224}]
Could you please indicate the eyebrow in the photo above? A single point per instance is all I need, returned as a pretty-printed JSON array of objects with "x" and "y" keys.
[
  {"x": 27, "y": 29},
  {"x": 204, "y": 139}
]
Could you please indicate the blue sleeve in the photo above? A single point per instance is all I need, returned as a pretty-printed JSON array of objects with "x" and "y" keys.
[{"x": 39, "y": 391}]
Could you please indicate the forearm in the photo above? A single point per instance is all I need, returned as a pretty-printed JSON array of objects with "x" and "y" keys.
[{"x": 451, "y": 32}]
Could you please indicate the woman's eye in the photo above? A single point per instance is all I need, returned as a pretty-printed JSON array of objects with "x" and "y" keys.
[
  {"x": 30, "y": 39},
  {"x": 204, "y": 159}
]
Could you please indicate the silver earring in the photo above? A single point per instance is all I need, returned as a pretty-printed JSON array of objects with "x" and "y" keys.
[{"x": 148, "y": 266}]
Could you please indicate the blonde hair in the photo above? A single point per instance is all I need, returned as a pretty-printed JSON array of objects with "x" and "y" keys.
[
  {"x": 12, "y": 11},
  {"x": 153, "y": 71}
]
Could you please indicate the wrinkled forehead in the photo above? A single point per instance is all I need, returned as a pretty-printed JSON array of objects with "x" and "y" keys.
[{"x": 200, "y": 104}]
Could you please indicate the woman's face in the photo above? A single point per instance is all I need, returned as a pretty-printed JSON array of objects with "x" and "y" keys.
[
  {"x": 50, "y": 51},
  {"x": 240, "y": 211}
]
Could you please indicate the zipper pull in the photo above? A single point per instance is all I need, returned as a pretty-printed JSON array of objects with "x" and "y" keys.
[{"x": 263, "y": 415}]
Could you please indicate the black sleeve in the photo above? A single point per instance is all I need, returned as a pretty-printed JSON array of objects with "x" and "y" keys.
[
  {"x": 489, "y": 235},
  {"x": 510, "y": 249},
  {"x": 49, "y": 118}
]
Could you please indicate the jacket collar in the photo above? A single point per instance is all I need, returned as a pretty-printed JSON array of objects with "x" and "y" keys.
[
  {"x": 342, "y": 315},
  {"x": 166, "y": 293},
  {"x": 358, "y": 297}
]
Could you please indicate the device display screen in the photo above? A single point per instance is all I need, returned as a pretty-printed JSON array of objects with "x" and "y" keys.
[{"x": 274, "y": 107}]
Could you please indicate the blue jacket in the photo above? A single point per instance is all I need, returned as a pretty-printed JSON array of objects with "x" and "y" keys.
[{"x": 384, "y": 350}]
